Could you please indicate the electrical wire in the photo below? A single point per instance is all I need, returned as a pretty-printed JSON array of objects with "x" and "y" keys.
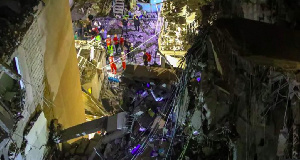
[{"x": 175, "y": 91}]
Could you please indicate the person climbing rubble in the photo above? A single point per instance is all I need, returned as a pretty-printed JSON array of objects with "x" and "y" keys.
[
  {"x": 148, "y": 57},
  {"x": 132, "y": 54},
  {"x": 113, "y": 66},
  {"x": 123, "y": 58},
  {"x": 94, "y": 33},
  {"x": 76, "y": 35},
  {"x": 98, "y": 38},
  {"x": 110, "y": 52},
  {"x": 116, "y": 43},
  {"x": 145, "y": 59},
  {"x": 136, "y": 22},
  {"x": 103, "y": 33},
  {"x": 108, "y": 41},
  {"x": 122, "y": 43},
  {"x": 125, "y": 25},
  {"x": 126, "y": 46}
]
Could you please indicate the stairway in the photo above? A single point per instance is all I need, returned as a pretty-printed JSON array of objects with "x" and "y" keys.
[{"x": 119, "y": 7}]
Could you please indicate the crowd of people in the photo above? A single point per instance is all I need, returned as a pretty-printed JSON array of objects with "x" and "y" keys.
[{"x": 116, "y": 45}]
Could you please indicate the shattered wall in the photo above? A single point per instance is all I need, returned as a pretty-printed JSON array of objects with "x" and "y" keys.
[
  {"x": 47, "y": 54},
  {"x": 246, "y": 106},
  {"x": 48, "y": 64}
]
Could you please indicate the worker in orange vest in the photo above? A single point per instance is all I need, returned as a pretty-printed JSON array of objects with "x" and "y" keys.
[
  {"x": 108, "y": 41},
  {"x": 112, "y": 65},
  {"x": 123, "y": 58}
]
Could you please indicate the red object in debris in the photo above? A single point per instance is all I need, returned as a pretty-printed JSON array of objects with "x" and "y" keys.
[
  {"x": 99, "y": 132},
  {"x": 148, "y": 57},
  {"x": 108, "y": 41}
]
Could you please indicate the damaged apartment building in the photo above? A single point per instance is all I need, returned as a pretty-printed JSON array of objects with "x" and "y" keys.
[{"x": 223, "y": 82}]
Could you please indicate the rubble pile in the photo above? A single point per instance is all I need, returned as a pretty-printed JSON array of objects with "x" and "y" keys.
[
  {"x": 145, "y": 101},
  {"x": 235, "y": 107}
]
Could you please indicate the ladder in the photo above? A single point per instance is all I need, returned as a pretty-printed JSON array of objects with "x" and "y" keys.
[{"x": 119, "y": 7}]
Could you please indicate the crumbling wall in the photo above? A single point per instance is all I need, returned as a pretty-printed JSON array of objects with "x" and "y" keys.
[
  {"x": 47, "y": 57},
  {"x": 30, "y": 56},
  {"x": 246, "y": 107}
]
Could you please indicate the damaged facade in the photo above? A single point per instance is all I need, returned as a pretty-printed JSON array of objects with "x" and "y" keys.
[
  {"x": 243, "y": 92},
  {"x": 232, "y": 91}
]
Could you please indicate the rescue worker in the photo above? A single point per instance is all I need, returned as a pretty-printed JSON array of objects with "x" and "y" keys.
[
  {"x": 76, "y": 35},
  {"x": 103, "y": 33},
  {"x": 116, "y": 42},
  {"x": 136, "y": 22},
  {"x": 108, "y": 41},
  {"x": 122, "y": 43},
  {"x": 125, "y": 25},
  {"x": 110, "y": 52},
  {"x": 98, "y": 38},
  {"x": 132, "y": 54},
  {"x": 112, "y": 65},
  {"x": 126, "y": 46},
  {"x": 148, "y": 57},
  {"x": 145, "y": 59},
  {"x": 123, "y": 58}
]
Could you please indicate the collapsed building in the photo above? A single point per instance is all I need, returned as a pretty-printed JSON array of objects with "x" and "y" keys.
[
  {"x": 242, "y": 91},
  {"x": 233, "y": 95}
]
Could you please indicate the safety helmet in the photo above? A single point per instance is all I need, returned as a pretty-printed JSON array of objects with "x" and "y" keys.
[{"x": 108, "y": 36}]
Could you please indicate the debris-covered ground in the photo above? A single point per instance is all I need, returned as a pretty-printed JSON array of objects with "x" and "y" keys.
[
  {"x": 146, "y": 100},
  {"x": 145, "y": 40},
  {"x": 223, "y": 105}
]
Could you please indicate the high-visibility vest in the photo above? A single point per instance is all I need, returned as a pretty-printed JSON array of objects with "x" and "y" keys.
[
  {"x": 98, "y": 38},
  {"x": 108, "y": 41},
  {"x": 110, "y": 50}
]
